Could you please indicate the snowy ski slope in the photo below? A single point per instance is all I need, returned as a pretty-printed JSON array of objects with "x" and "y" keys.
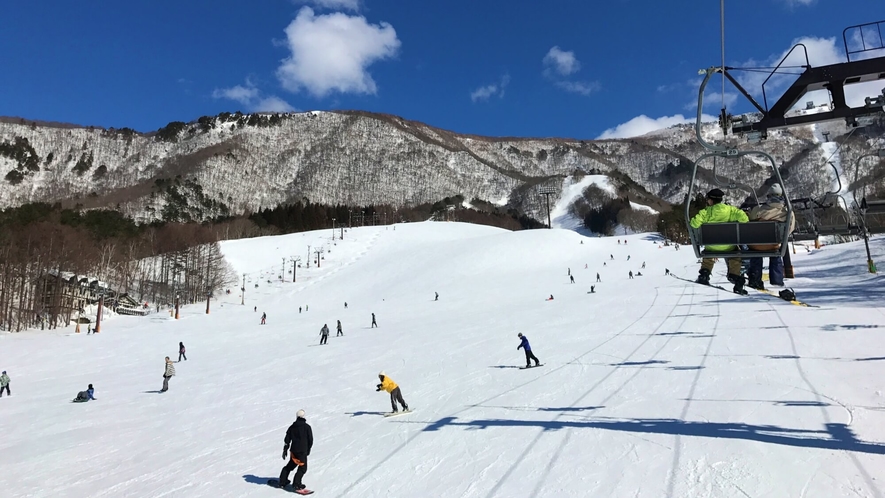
[{"x": 652, "y": 387}]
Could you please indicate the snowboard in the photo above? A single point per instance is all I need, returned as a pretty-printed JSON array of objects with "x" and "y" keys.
[
  {"x": 395, "y": 414},
  {"x": 533, "y": 366},
  {"x": 275, "y": 483}
]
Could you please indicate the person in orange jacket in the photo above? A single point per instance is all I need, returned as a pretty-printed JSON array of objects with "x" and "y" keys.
[{"x": 387, "y": 384}]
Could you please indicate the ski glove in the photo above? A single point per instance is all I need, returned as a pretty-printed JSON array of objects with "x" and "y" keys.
[
  {"x": 379, "y": 387},
  {"x": 285, "y": 452}
]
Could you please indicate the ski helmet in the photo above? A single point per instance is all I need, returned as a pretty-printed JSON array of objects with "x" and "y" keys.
[
  {"x": 300, "y": 414},
  {"x": 775, "y": 191}
]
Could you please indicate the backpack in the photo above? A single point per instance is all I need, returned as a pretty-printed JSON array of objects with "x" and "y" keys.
[{"x": 787, "y": 295}]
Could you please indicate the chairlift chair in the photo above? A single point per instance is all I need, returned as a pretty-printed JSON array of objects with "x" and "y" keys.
[{"x": 734, "y": 234}]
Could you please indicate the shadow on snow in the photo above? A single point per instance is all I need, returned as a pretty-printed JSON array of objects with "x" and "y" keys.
[{"x": 833, "y": 437}]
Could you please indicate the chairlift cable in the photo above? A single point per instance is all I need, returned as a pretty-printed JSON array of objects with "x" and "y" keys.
[{"x": 722, "y": 44}]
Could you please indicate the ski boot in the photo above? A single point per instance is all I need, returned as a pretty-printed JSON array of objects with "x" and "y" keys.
[
  {"x": 703, "y": 277},
  {"x": 738, "y": 281}
]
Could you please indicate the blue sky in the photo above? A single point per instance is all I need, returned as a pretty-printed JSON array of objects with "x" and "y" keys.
[{"x": 565, "y": 68}]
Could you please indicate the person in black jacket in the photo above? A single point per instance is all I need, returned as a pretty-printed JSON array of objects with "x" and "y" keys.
[{"x": 296, "y": 447}]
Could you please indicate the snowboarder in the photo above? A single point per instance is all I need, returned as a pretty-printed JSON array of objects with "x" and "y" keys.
[
  {"x": 374, "y": 323},
  {"x": 436, "y": 296},
  {"x": 643, "y": 265},
  {"x": 639, "y": 274},
  {"x": 263, "y": 318},
  {"x": 611, "y": 256},
  {"x": 345, "y": 304},
  {"x": 666, "y": 271},
  {"x": 324, "y": 334},
  {"x": 306, "y": 307},
  {"x": 628, "y": 257},
  {"x": 84, "y": 396},
  {"x": 572, "y": 278},
  {"x": 631, "y": 273},
  {"x": 4, "y": 384},
  {"x": 255, "y": 309},
  {"x": 167, "y": 374},
  {"x": 585, "y": 266},
  {"x": 597, "y": 276},
  {"x": 772, "y": 210},
  {"x": 387, "y": 384},
  {"x": 181, "y": 352},
  {"x": 718, "y": 212},
  {"x": 527, "y": 348},
  {"x": 299, "y": 309},
  {"x": 569, "y": 271},
  {"x": 549, "y": 298},
  {"x": 619, "y": 241},
  {"x": 340, "y": 332},
  {"x": 603, "y": 263},
  {"x": 592, "y": 289},
  {"x": 296, "y": 448}
]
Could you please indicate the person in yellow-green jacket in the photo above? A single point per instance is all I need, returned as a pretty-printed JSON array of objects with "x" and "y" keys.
[
  {"x": 717, "y": 212},
  {"x": 387, "y": 384}
]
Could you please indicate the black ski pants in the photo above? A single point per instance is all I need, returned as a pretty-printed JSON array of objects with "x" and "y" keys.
[
  {"x": 7, "y": 391},
  {"x": 182, "y": 355},
  {"x": 529, "y": 356},
  {"x": 397, "y": 395},
  {"x": 301, "y": 463},
  {"x": 324, "y": 339},
  {"x": 339, "y": 333}
]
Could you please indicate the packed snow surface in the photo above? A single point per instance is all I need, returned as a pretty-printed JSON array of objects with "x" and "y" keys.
[{"x": 651, "y": 386}]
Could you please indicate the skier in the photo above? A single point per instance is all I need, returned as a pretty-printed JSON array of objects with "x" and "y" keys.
[
  {"x": 436, "y": 296},
  {"x": 387, "y": 384},
  {"x": 324, "y": 334},
  {"x": 611, "y": 256},
  {"x": 772, "y": 210},
  {"x": 4, "y": 384},
  {"x": 167, "y": 374},
  {"x": 263, "y": 318},
  {"x": 296, "y": 448},
  {"x": 631, "y": 274},
  {"x": 340, "y": 332},
  {"x": 603, "y": 263},
  {"x": 299, "y": 309},
  {"x": 84, "y": 396},
  {"x": 345, "y": 304},
  {"x": 717, "y": 212},
  {"x": 619, "y": 241},
  {"x": 597, "y": 276},
  {"x": 569, "y": 271},
  {"x": 643, "y": 265},
  {"x": 666, "y": 271},
  {"x": 255, "y": 309},
  {"x": 572, "y": 277},
  {"x": 181, "y": 352},
  {"x": 585, "y": 266},
  {"x": 374, "y": 323},
  {"x": 628, "y": 257},
  {"x": 306, "y": 307},
  {"x": 527, "y": 348}
]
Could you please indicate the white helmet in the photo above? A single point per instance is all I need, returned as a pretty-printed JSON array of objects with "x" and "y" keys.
[
  {"x": 776, "y": 190},
  {"x": 300, "y": 414}
]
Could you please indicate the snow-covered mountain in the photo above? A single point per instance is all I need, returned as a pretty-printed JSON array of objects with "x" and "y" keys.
[{"x": 236, "y": 163}]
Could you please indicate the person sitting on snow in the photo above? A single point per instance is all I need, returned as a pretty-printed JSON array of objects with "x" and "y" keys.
[{"x": 86, "y": 395}]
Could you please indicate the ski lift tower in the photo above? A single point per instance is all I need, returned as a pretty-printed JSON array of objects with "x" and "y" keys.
[{"x": 547, "y": 192}]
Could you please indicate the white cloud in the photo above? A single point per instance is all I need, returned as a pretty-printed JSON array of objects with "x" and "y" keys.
[
  {"x": 239, "y": 93},
  {"x": 484, "y": 92},
  {"x": 251, "y": 97},
  {"x": 793, "y": 3},
  {"x": 561, "y": 62},
  {"x": 581, "y": 87},
  {"x": 273, "y": 104},
  {"x": 640, "y": 125},
  {"x": 332, "y": 53},
  {"x": 353, "y": 5}
]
